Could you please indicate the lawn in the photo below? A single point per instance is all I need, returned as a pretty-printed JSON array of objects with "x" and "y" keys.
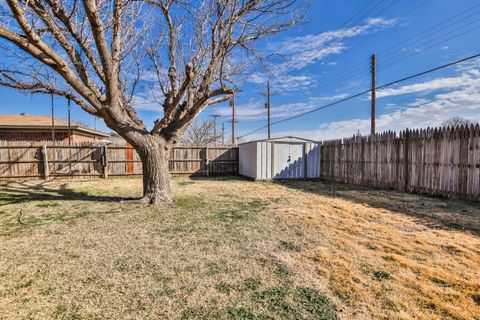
[{"x": 234, "y": 249}]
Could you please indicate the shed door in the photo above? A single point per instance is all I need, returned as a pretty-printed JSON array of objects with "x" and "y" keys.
[{"x": 288, "y": 161}]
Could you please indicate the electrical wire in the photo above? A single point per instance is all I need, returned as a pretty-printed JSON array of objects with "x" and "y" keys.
[
  {"x": 391, "y": 55},
  {"x": 350, "y": 21},
  {"x": 364, "y": 92},
  {"x": 395, "y": 59}
]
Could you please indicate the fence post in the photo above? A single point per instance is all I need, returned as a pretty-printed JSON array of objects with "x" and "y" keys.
[
  {"x": 305, "y": 161},
  {"x": 46, "y": 170},
  {"x": 104, "y": 161},
  {"x": 207, "y": 164},
  {"x": 405, "y": 157}
]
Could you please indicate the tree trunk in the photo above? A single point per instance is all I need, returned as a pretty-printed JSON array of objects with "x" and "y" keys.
[{"x": 155, "y": 153}]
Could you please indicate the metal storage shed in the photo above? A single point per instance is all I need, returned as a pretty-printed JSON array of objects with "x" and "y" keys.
[{"x": 280, "y": 158}]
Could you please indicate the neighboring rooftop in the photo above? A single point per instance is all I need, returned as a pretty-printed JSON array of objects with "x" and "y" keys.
[
  {"x": 27, "y": 121},
  {"x": 283, "y": 139}
]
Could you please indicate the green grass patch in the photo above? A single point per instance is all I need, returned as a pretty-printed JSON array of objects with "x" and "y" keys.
[
  {"x": 275, "y": 301},
  {"x": 227, "y": 313},
  {"x": 48, "y": 205},
  {"x": 121, "y": 265},
  {"x": 296, "y": 303},
  {"x": 223, "y": 287},
  {"x": 252, "y": 283},
  {"x": 282, "y": 272},
  {"x": 289, "y": 246},
  {"x": 62, "y": 312},
  {"x": 190, "y": 202},
  {"x": 185, "y": 183},
  {"x": 241, "y": 210},
  {"x": 316, "y": 303},
  {"x": 381, "y": 275},
  {"x": 25, "y": 285}
]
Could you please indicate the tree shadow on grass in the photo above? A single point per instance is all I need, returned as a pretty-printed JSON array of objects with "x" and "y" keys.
[
  {"x": 20, "y": 192},
  {"x": 430, "y": 211}
]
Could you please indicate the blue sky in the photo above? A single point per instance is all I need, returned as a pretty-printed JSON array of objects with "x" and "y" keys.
[{"x": 328, "y": 57}]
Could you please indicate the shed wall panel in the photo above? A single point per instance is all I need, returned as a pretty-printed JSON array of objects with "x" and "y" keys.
[
  {"x": 248, "y": 160},
  {"x": 264, "y": 160}
]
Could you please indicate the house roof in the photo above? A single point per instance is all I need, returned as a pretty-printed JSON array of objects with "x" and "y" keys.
[
  {"x": 32, "y": 122},
  {"x": 284, "y": 139}
]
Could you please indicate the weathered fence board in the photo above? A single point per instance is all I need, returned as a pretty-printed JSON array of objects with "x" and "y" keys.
[
  {"x": 443, "y": 161},
  {"x": 24, "y": 159}
]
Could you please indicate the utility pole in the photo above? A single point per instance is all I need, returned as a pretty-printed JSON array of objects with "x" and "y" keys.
[
  {"x": 53, "y": 119},
  {"x": 53, "y": 135},
  {"x": 69, "y": 108},
  {"x": 69, "y": 124},
  {"x": 95, "y": 127},
  {"x": 268, "y": 108},
  {"x": 214, "y": 116},
  {"x": 223, "y": 133},
  {"x": 374, "y": 94},
  {"x": 232, "y": 104}
]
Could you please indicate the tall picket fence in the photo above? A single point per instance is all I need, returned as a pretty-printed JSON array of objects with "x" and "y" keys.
[
  {"x": 439, "y": 161},
  {"x": 23, "y": 159}
]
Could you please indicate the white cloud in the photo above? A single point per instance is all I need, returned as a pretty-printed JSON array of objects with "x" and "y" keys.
[
  {"x": 303, "y": 51},
  {"x": 146, "y": 100},
  {"x": 300, "y": 52},
  {"x": 460, "y": 97},
  {"x": 463, "y": 80},
  {"x": 284, "y": 83},
  {"x": 255, "y": 109}
]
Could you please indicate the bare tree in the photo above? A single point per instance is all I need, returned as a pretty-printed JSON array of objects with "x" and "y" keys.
[
  {"x": 455, "y": 121},
  {"x": 99, "y": 52},
  {"x": 200, "y": 132}
]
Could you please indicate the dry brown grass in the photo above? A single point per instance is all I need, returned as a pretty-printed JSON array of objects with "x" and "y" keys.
[{"x": 230, "y": 248}]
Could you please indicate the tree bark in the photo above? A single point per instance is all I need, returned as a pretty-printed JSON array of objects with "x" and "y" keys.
[{"x": 155, "y": 153}]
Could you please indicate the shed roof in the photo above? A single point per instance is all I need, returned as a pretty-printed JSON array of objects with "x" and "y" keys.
[
  {"x": 26, "y": 121},
  {"x": 283, "y": 139}
]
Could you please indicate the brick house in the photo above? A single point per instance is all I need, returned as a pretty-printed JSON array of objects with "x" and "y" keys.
[{"x": 39, "y": 128}]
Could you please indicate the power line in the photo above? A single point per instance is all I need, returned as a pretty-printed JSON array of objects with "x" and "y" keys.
[
  {"x": 350, "y": 21},
  {"x": 431, "y": 30},
  {"x": 359, "y": 66},
  {"x": 429, "y": 71},
  {"x": 390, "y": 55},
  {"x": 395, "y": 54},
  {"x": 455, "y": 36},
  {"x": 394, "y": 57},
  {"x": 366, "y": 91},
  {"x": 384, "y": 63}
]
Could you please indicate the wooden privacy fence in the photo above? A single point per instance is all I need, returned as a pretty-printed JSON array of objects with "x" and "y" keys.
[
  {"x": 33, "y": 160},
  {"x": 443, "y": 161}
]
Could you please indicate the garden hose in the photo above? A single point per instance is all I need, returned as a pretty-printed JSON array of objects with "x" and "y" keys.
[{"x": 31, "y": 224}]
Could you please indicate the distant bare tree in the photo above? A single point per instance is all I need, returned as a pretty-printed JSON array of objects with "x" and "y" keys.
[
  {"x": 455, "y": 121},
  {"x": 98, "y": 52},
  {"x": 200, "y": 132}
]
